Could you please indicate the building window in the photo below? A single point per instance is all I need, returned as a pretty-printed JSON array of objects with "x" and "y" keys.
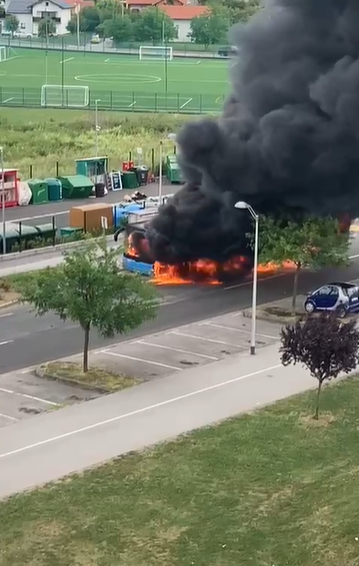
[{"x": 22, "y": 26}]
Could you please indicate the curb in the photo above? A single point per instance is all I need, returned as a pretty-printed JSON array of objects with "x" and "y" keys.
[{"x": 9, "y": 303}]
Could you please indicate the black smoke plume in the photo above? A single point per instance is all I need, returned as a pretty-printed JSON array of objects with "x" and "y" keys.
[{"x": 288, "y": 137}]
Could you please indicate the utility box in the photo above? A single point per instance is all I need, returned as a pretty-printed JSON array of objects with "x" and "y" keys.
[
  {"x": 88, "y": 217},
  {"x": 95, "y": 168}
]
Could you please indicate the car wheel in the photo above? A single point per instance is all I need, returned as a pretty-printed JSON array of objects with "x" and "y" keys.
[
  {"x": 341, "y": 311},
  {"x": 309, "y": 307}
]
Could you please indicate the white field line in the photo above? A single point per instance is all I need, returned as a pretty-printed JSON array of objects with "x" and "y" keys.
[
  {"x": 140, "y": 360},
  {"x": 66, "y": 60},
  {"x": 8, "y": 100},
  {"x": 10, "y": 392},
  {"x": 107, "y": 60},
  {"x": 146, "y": 409},
  {"x": 187, "y": 102},
  {"x": 198, "y": 62},
  {"x": 145, "y": 343},
  {"x": 132, "y": 104}
]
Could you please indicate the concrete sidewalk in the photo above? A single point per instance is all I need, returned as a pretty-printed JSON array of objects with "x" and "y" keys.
[{"x": 50, "y": 446}]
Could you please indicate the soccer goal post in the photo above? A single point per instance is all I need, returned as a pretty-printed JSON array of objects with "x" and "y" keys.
[
  {"x": 70, "y": 96},
  {"x": 3, "y": 53},
  {"x": 155, "y": 52}
]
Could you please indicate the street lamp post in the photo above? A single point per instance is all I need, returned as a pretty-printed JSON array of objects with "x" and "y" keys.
[
  {"x": 3, "y": 201},
  {"x": 245, "y": 206},
  {"x": 96, "y": 126},
  {"x": 160, "y": 175}
]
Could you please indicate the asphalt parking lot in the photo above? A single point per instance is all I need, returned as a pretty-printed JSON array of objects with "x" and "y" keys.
[
  {"x": 23, "y": 395},
  {"x": 161, "y": 354}
]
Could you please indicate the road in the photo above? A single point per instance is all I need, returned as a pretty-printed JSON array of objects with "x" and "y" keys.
[
  {"x": 34, "y": 215},
  {"x": 26, "y": 340}
]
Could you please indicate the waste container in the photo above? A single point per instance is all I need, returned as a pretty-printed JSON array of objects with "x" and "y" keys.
[
  {"x": 54, "y": 187},
  {"x": 12, "y": 239},
  {"x": 40, "y": 191},
  {"x": 99, "y": 190},
  {"x": 129, "y": 180},
  {"x": 142, "y": 174}
]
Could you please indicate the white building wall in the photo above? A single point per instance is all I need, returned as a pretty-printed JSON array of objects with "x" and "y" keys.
[
  {"x": 183, "y": 28},
  {"x": 25, "y": 23},
  {"x": 64, "y": 14}
]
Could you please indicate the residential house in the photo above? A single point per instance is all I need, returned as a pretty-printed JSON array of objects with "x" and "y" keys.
[
  {"x": 138, "y": 5},
  {"x": 182, "y": 16},
  {"x": 30, "y": 13}
]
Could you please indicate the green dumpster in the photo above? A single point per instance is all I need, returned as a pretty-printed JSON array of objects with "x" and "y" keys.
[
  {"x": 40, "y": 191},
  {"x": 129, "y": 180},
  {"x": 68, "y": 231},
  {"x": 27, "y": 234},
  {"x": 46, "y": 231},
  {"x": 173, "y": 171},
  {"x": 12, "y": 239},
  {"x": 76, "y": 186}
]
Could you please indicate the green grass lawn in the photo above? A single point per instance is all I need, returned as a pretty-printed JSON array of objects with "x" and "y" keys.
[
  {"x": 118, "y": 82},
  {"x": 272, "y": 488}
]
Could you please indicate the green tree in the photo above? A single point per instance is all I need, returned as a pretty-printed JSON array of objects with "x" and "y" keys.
[
  {"x": 209, "y": 29},
  {"x": 46, "y": 27},
  {"x": 153, "y": 25},
  {"x": 89, "y": 288},
  {"x": 89, "y": 19},
  {"x": 119, "y": 28},
  {"x": 11, "y": 23},
  {"x": 324, "y": 345},
  {"x": 314, "y": 243}
]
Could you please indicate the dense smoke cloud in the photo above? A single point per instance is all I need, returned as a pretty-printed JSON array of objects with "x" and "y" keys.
[{"x": 288, "y": 137}]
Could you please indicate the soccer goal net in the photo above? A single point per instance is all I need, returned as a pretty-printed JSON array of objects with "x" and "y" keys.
[
  {"x": 155, "y": 52},
  {"x": 71, "y": 96}
]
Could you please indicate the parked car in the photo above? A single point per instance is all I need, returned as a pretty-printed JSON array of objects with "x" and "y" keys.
[
  {"x": 227, "y": 51},
  {"x": 20, "y": 34},
  {"x": 343, "y": 298}
]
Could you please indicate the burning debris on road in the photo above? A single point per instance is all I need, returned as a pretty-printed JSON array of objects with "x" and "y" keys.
[{"x": 288, "y": 138}]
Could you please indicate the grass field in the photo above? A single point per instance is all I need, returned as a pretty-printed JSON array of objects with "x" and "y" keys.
[
  {"x": 272, "y": 488},
  {"x": 118, "y": 82}
]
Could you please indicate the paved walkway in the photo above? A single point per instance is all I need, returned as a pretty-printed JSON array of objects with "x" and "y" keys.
[{"x": 52, "y": 445}]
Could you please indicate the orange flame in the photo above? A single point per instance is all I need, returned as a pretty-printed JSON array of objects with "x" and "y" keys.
[{"x": 200, "y": 271}]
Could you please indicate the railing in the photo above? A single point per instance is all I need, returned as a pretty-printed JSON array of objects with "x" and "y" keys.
[
  {"x": 116, "y": 101},
  {"x": 70, "y": 43}
]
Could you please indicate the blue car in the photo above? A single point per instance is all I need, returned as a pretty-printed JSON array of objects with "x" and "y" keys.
[{"x": 343, "y": 298}]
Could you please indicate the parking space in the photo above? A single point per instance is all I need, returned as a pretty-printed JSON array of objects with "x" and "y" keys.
[
  {"x": 22, "y": 395},
  {"x": 195, "y": 344}
]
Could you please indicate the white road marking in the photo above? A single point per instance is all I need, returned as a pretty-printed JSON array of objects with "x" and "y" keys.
[
  {"x": 187, "y": 102},
  {"x": 145, "y": 343},
  {"x": 140, "y": 360},
  {"x": 353, "y": 256},
  {"x": 66, "y": 60},
  {"x": 139, "y": 411},
  {"x": 259, "y": 281},
  {"x": 6, "y": 342},
  {"x": 6, "y": 314},
  {"x": 237, "y": 330},
  {"x": 10, "y": 392},
  {"x": 8, "y": 100},
  {"x": 8, "y": 417},
  {"x": 133, "y": 103},
  {"x": 177, "y": 333}
]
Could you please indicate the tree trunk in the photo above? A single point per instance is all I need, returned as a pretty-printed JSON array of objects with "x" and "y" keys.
[
  {"x": 295, "y": 289},
  {"x": 85, "y": 364},
  {"x": 316, "y": 414}
]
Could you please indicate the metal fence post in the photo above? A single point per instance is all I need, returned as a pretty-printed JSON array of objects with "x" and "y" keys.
[{"x": 54, "y": 231}]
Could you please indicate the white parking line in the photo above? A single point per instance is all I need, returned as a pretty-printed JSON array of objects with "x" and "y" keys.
[
  {"x": 177, "y": 333},
  {"x": 139, "y": 411},
  {"x": 8, "y": 417},
  {"x": 29, "y": 397},
  {"x": 6, "y": 342},
  {"x": 175, "y": 349},
  {"x": 237, "y": 330},
  {"x": 6, "y": 314},
  {"x": 140, "y": 360}
]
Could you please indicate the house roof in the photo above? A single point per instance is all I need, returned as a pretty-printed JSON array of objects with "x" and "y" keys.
[
  {"x": 25, "y": 6},
  {"x": 80, "y": 3},
  {"x": 184, "y": 12}
]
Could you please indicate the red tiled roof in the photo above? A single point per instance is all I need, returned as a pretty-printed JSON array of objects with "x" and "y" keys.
[
  {"x": 148, "y": 2},
  {"x": 80, "y": 3},
  {"x": 184, "y": 12}
]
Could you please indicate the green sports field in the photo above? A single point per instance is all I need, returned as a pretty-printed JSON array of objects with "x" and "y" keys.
[{"x": 117, "y": 82}]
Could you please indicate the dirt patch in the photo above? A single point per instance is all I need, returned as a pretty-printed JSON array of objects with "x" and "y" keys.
[
  {"x": 325, "y": 419},
  {"x": 8, "y": 297},
  {"x": 96, "y": 379}
]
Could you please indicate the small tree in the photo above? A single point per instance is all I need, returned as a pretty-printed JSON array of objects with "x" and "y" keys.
[
  {"x": 120, "y": 28},
  {"x": 46, "y": 27},
  {"x": 314, "y": 243},
  {"x": 209, "y": 29},
  {"x": 89, "y": 288},
  {"x": 324, "y": 345},
  {"x": 153, "y": 25},
  {"x": 11, "y": 23}
]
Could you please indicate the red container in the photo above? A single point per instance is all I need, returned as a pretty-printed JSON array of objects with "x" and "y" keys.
[{"x": 128, "y": 165}]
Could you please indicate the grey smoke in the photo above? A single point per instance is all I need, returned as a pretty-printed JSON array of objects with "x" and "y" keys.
[{"x": 287, "y": 140}]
